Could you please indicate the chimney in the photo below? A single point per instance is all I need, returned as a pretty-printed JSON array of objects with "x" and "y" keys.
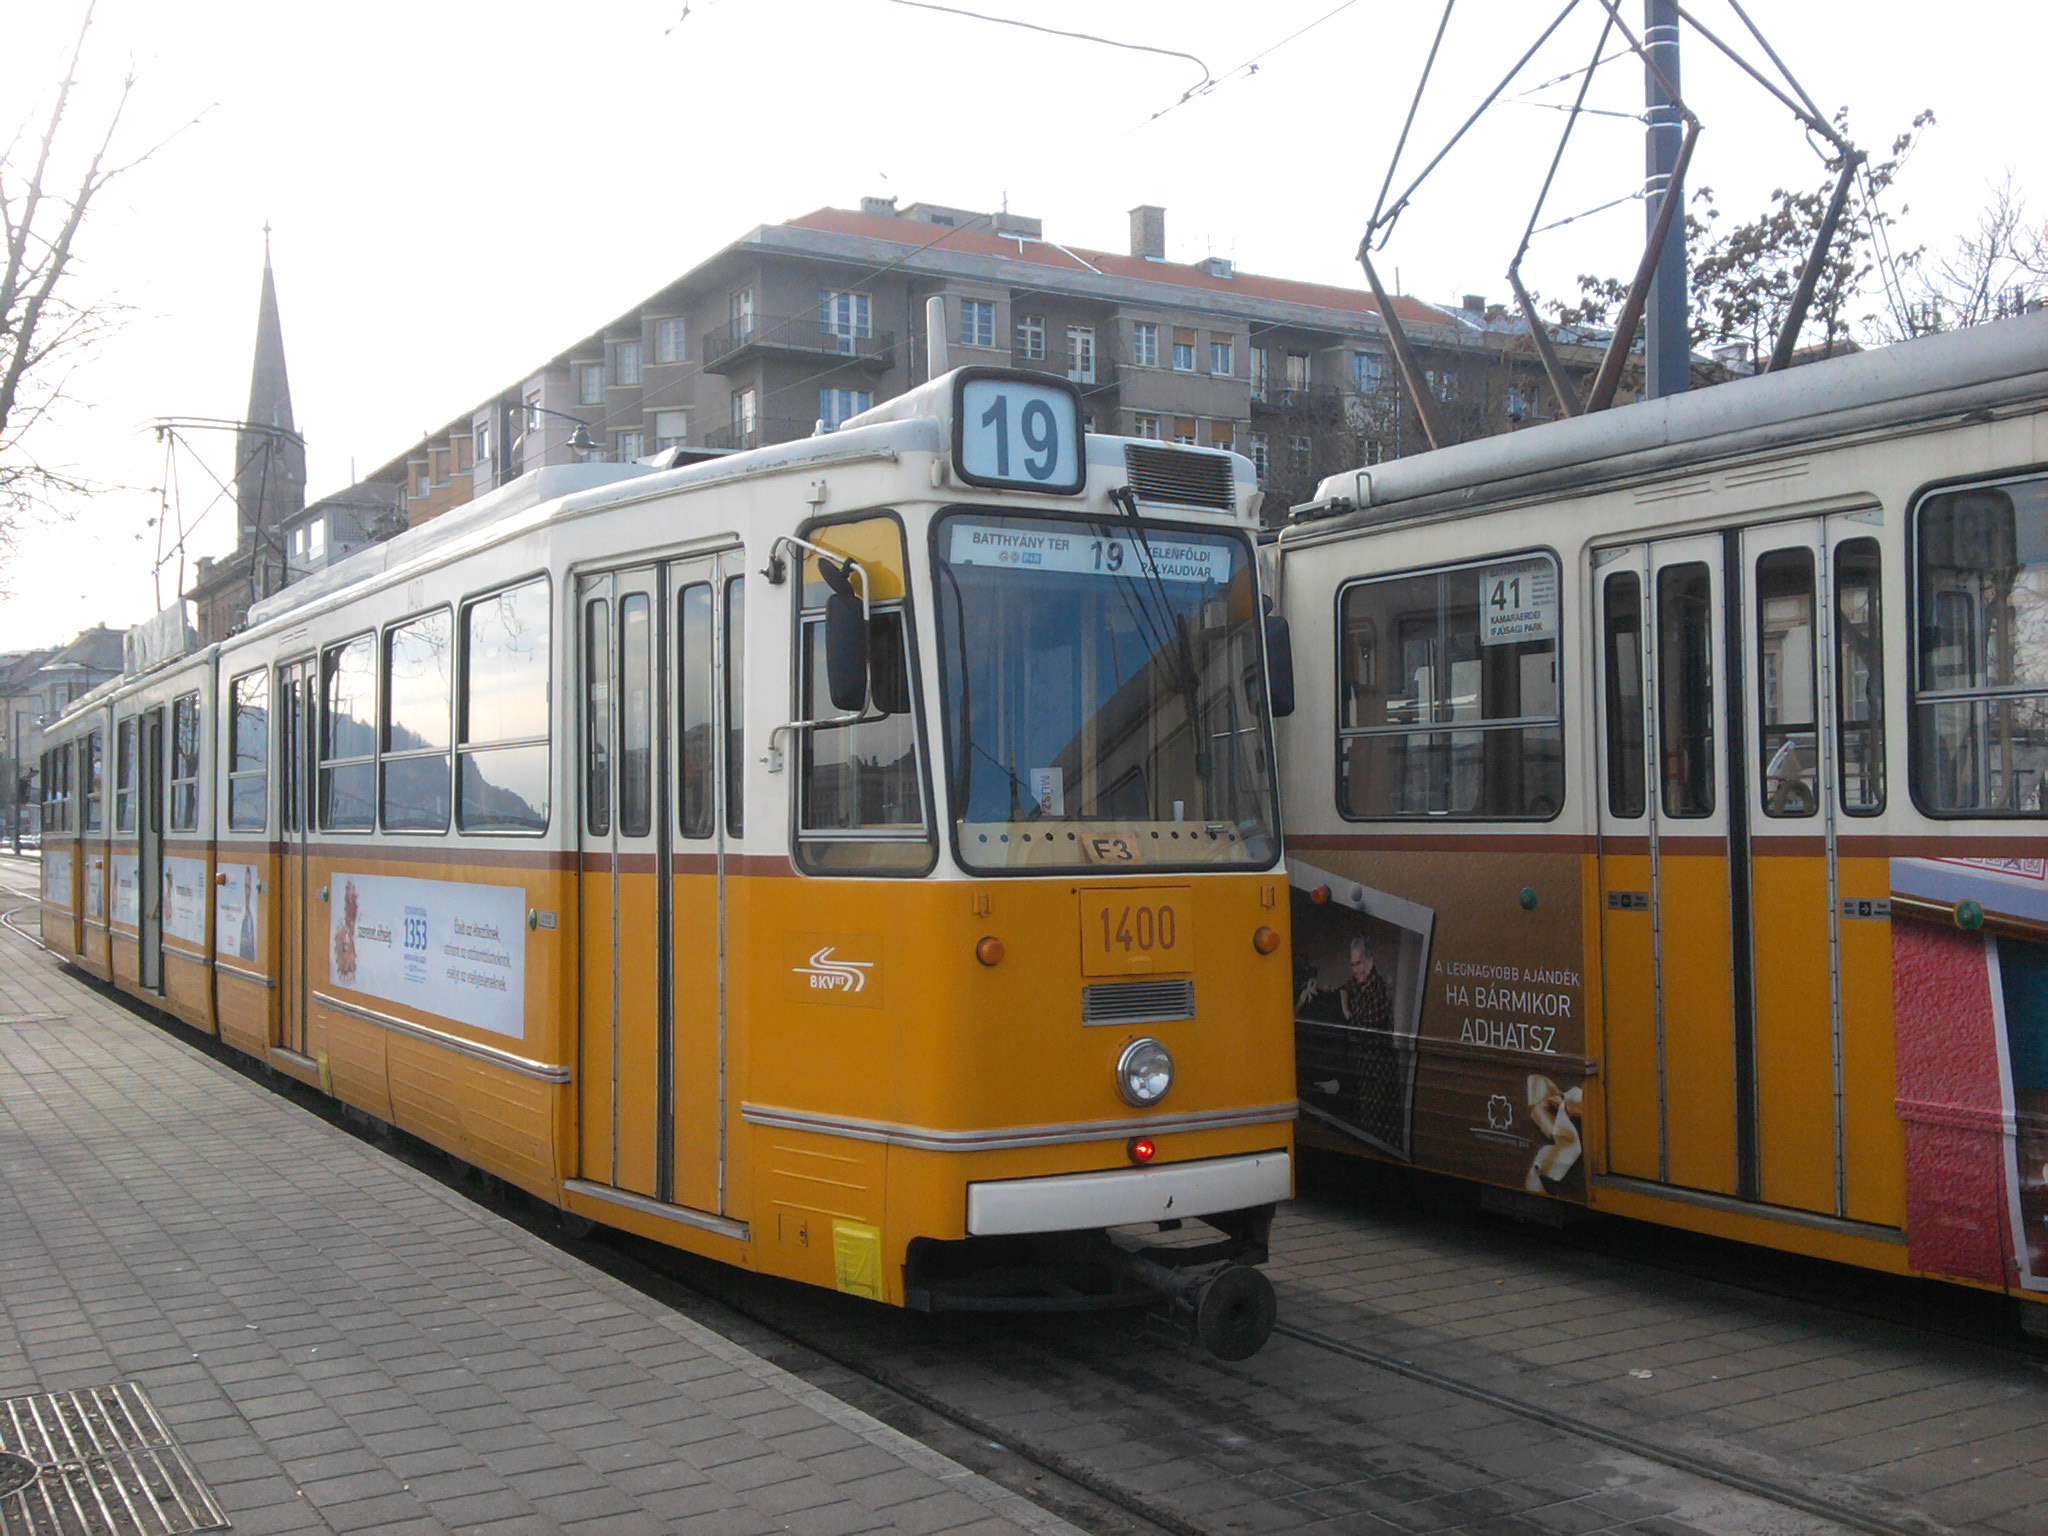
[
  {"x": 1148, "y": 232},
  {"x": 1476, "y": 302}
]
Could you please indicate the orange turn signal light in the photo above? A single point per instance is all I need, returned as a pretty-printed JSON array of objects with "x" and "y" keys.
[
  {"x": 1320, "y": 895},
  {"x": 1142, "y": 1149},
  {"x": 989, "y": 951},
  {"x": 1266, "y": 940}
]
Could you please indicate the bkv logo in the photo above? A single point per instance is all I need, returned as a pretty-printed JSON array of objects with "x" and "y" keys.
[{"x": 829, "y": 974}]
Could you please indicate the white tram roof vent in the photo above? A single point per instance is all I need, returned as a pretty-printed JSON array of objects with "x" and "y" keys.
[{"x": 1182, "y": 477}]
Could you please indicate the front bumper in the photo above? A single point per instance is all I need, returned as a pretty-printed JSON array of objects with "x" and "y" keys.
[{"x": 1073, "y": 1202}]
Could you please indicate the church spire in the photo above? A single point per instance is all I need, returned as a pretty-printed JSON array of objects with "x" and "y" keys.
[{"x": 270, "y": 460}]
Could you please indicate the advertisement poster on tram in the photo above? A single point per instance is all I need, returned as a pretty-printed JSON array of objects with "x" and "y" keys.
[
  {"x": 1447, "y": 1035},
  {"x": 234, "y": 911},
  {"x": 185, "y": 900},
  {"x": 57, "y": 876},
  {"x": 454, "y": 950},
  {"x": 96, "y": 890},
  {"x": 127, "y": 890}
]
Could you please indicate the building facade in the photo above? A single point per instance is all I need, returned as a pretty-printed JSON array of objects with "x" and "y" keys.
[
  {"x": 797, "y": 326},
  {"x": 35, "y": 688}
]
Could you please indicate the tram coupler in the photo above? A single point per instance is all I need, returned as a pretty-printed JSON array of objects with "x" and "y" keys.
[{"x": 1227, "y": 1307}]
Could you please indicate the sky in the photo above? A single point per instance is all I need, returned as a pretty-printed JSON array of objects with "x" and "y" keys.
[{"x": 456, "y": 192}]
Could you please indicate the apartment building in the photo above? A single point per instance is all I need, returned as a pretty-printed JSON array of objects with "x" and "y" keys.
[{"x": 795, "y": 327}]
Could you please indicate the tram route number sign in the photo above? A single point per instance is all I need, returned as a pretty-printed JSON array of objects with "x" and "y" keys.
[
  {"x": 1129, "y": 930},
  {"x": 1016, "y": 433},
  {"x": 1517, "y": 602}
]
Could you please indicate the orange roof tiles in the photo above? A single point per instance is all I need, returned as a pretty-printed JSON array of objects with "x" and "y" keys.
[{"x": 985, "y": 242}]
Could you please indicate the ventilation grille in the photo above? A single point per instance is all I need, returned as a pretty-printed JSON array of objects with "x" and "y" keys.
[
  {"x": 98, "y": 1462},
  {"x": 1181, "y": 476},
  {"x": 1137, "y": 1002}
]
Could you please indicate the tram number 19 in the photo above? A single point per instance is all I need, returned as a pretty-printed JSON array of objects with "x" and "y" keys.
[{"x": 1139, "y": 928}]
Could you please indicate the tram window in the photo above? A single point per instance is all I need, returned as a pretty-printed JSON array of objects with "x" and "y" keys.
[
  {"x": 1859, "y": 676},
  {"x": 696, "y": 766},
  {"x": 348, "y": 735},
  {"x": 502, "y": 739},
  {"x": 861, "y": 788},
  {"x": 1450, "y": 694},
  {"x": 1685, "y": 689},
  {"x": 597, "y": 717},
  {"x": 1624, "y": 699},
  {"x": 636, "y": 715},
  {"x": 1980, "y": 711},
  {"x": 185, "y": 763},
  {"x": 90, "y": 786},
  {"x": 249, "y": 751},
  {"x": 124, "y": 775},
  {"x": 418, "y": 692},
  {"x": 1787, "y": 702},
  {"x": 735, "y": 701}
]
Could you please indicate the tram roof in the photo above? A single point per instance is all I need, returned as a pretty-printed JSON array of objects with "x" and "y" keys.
[{"x": 1975, "y": 369}]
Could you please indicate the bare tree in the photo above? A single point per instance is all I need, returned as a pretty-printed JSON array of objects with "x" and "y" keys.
[
  {"x": 46, "y": 190},
  {"x": 1998, "y": 269}
]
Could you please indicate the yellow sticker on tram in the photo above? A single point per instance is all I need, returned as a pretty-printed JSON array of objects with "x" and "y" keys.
[
  {"x": 857, "y": 1259},
  {"x": 1137, "y": 929}
]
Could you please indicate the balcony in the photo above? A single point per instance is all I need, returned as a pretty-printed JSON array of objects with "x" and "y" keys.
[
  {"x": 1101, "y": 376},
  {"x": 732, "y": 346},
  {"x": 765, "y": 430},
  {"x": 1323, "y": 400}
]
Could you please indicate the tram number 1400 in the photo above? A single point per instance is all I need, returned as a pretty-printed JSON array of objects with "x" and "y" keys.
[{"x": 1138, "y": 928}]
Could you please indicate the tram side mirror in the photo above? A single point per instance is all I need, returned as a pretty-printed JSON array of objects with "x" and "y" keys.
[
  {"x": 1279, "y": 665},
  {"x": 846, "y": 640}
]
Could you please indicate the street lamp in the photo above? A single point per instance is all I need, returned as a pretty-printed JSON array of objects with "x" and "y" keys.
[{"x": 581, "y": 443}]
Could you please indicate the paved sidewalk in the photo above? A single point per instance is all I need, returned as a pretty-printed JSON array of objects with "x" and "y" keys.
[{"x": 340, "y": 1344}]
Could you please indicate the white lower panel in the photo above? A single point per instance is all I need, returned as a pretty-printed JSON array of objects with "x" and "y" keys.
[{"x": 1072, "y": 1202}]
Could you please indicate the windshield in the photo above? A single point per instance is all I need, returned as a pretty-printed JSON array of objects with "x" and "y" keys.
[{"x": 1104, "y": 698}]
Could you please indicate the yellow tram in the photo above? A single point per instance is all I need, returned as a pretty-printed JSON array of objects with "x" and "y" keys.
[
  {"x": 856, "y": 860},
  {"x": 1668, "y": 809}
]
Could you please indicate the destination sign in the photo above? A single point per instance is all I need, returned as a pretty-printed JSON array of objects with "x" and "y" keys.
[{"x": 1168, "y": 557}]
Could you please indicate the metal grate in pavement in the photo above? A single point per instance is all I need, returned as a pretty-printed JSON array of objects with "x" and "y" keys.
[{"x": 105, "y": 1466}]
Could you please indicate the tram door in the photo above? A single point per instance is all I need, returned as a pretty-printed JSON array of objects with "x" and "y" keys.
[
  {"x": 653, "y": 828},
  {"x": 1745, "y": 963},
  {"x": 296, "y": 922},
  {"x": 149, "y": 832}
]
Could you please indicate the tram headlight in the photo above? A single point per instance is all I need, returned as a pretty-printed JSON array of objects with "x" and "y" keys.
[{"x": 1144, "y": 1072}]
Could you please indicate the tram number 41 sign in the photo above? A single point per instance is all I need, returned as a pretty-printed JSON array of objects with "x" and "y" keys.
[{"x": 1140, "y": 930}]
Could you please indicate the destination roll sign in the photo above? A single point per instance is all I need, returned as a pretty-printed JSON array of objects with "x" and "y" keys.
[{"x": 1018, "y": 432}]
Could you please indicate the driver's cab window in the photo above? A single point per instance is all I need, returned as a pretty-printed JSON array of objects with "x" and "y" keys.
[{"x": 862, "y": 802}]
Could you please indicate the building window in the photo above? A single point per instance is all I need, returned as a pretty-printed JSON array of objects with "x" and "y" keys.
[
  {"x": 670, "y": 340},
  {"x": 1444, "y": 385},
  {"x": 1031, "y": 338},
  {"x": 1262, "y": 457},
  {"x": 845, "y": 316},
  {"x": 1222, "y": 434},
  {"x": 741, "y": 308},
  {"x": 671, "y": 429},
  {"x": 1184, "y": 431},
  {"x": 1297, "y": 370},
  {"x": 1440, "y": 713},
  {"x": 1301, "y": 451},
  {"x": 1262, "y": 377},
  {"x": 628, "y": 446},
  {"x": 348, "y": 735},
  {"x": 626, "y": 361},
  {"x": 838, "y": 405},
  {"x": 1145, "y": 426},
  {"x": 1145, "y": 345},
  {"x": 1518, "y": 405},
  {"x": 483, "y": 444},
  {"x": 249, "y": 751},
  {"x": 418, "y": 684},
  {"x": 977, "y": 323},
  {"x": 422, "y": 484},
  {"x": 590, "y": 383},
  {"x": 1367, "y": 370},
  {"x": 1183, "y": 351},
  {"x": 1222, "y": 358},
  {"x": 745, "y": 412},
  {"x": 502, "y": 728},
  {"x": 1081, "y": 354}
]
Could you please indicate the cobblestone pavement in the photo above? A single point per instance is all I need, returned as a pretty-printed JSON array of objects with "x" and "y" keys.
[{"x": 341, "y": 1344}]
